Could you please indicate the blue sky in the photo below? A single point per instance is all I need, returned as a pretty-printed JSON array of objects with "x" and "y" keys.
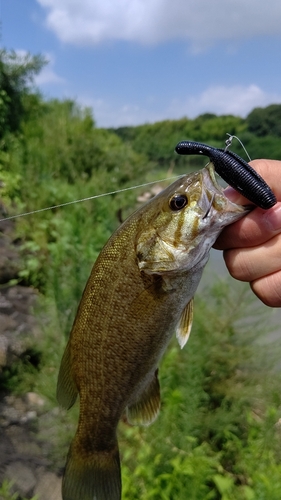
[{"x": 138, "y": 61}]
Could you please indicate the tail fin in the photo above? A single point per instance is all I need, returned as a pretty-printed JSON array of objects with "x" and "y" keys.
[{"x": 95, "y": 476}]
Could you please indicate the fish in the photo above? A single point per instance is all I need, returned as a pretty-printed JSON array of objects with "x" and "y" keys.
[{"x": 139, "y": 293}]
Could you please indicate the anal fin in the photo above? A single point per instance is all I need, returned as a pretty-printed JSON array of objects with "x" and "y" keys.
[
  {"x": 147, "y": 407},
  {"x": 184, "y": 327}
]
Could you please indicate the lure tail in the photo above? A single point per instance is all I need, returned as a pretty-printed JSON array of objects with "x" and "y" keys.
[{"x": 92, "y": 475}]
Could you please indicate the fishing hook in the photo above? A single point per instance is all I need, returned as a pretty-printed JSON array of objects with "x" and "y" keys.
[
  {"x": 234, "y": 170},
  {"x": 209, "y": 207}
]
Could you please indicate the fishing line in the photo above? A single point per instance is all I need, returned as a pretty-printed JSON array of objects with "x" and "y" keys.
[
  {"x": 228, "y": 143},
  {"x": 24, "y": 214}
]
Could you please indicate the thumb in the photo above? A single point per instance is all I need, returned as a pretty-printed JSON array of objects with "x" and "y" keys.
[{"x": 254, "y": 229}]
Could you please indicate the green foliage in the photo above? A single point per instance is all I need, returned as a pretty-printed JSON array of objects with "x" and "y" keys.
[
  {"x": 16, "y": 77},
  {"x": 261, "y": 147},
  {"x": 60, "y": 147},
  {"x": 265, "y": 121},
  {"x": 6, "y": 494},
  {"x": 214, "y": 128},
  {"x": 170, "y": 474},
  {"x": 158, "y": 140},
  {"x": 9, "y": 182},
  {"x": 71, "y": 147},
  {"x": 20, "y": 375},
  {"x": 60, "y": 157}
]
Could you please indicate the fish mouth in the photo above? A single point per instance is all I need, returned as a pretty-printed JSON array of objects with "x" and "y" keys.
[
  {"x": 217, "y": 197},
  {"x": 212, "y": 177},
  {"x": 211, "y": 181}
]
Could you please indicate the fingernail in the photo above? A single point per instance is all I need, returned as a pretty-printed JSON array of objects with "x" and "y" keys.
[
  {"x": 231, "y": 194},
  {"x": 236, "y": 197},
  {"x": 272, "y": 218}
]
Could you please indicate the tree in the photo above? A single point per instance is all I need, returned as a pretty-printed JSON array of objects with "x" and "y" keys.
[
  {"x": 16, "y": 82},
  {"x": 265, "y": 121}
]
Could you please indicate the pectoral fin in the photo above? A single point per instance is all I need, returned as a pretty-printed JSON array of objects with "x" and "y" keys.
[
  {"x": 146, "y": 409},
  {"x": 184, "y": 327},
  {"x": 66, "y": 388}
]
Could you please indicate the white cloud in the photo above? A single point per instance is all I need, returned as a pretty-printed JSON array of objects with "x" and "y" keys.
[
  {"x": 202, "y": 22},
  {"x": 111, "y": 114},
  {"x": 236, "y": 100},
  {"x": 47, "y": 74}
]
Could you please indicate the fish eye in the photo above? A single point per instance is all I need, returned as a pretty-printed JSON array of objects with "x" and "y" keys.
[{"x": 178, "y": 202}]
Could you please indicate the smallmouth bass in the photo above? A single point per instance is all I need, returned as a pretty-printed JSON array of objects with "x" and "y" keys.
[{"x": 139, "y": 293}]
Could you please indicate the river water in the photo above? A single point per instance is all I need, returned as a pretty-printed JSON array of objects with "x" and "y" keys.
[{"x": 216, "y": 269}]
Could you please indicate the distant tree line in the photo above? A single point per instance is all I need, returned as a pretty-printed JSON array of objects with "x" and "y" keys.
[
  {"x": 260, "y": 133},
  {"x": 20, "y": 101}
]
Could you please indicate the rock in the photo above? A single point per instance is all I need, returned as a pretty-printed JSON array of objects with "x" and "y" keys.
[
  {"x": 24, "y": 443},
  {"x": 25, "y": 450},
  {"x": 9, "y": 415},
  {"x": 18, "y": 328},
  {"x": 9, "y": 263},
  {"x": 7, "y": 449},
  {"x": 48, "y": 486},
  {"x": 34, "y": 400},
  {"x": 9, "y": 258},
  {"x": 4, "y": 344},
  {"x": 11, "y": 409},
  {"x": 22, "y": 478},
  {"x": 29, "y": 417},
  {"x": 17, "y": 323}
]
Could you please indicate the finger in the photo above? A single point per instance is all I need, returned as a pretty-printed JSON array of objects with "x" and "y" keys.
[
  {"x": 249, "y": 264},
  {"x": 268, "y": 289},
  {"x": 270, "y": 171},
  {"x": 254, "y": 229}
]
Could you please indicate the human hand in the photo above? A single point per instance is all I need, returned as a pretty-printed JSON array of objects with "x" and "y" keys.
[{"x": 252, "y": 246}]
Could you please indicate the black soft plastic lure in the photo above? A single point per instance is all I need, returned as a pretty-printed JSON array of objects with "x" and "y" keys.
[{"x": 234, "y": 170}]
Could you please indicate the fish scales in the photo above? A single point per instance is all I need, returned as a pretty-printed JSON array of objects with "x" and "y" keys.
[{"x": 139, "y": 293}]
